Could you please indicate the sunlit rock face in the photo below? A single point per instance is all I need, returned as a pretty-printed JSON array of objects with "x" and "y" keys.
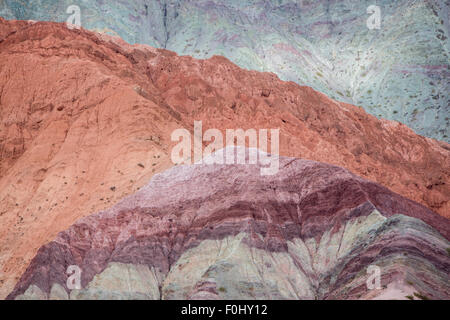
[
  {"x": 311, "y": 231},
  {"x": 399, "y": 72}
]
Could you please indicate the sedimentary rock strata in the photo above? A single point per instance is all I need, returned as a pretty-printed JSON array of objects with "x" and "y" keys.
[
  {"x": 86, "y": 119},
  {"x": 225, "y": 232}
]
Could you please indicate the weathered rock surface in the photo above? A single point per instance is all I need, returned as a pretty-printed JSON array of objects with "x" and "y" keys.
[
  {"x": 86, "y": 119},
  {"x": 398, "y": 72},
  {"x": 226, "y": 232}
]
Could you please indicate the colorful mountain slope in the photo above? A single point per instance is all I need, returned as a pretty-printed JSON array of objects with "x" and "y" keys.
[
  {"x": 226, "y": 232},
  {"x": 86, "y": 119},
  {"x": 398, "y": 72}
]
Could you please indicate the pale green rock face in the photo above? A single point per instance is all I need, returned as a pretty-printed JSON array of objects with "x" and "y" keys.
[
  {"x": 236, "y": 270},
  {"x": 58, "y": 293},
  {"x": 33, "y": 293},
  {"x": 399, "y": 72},
  {"x": 122, "y": 281}
]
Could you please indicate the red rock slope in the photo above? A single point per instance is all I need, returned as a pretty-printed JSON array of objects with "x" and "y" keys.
[{"x": 86, "y": 120}]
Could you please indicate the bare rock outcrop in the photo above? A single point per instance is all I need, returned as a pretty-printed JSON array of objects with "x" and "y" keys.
[{"x": 86, "y": 119}]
